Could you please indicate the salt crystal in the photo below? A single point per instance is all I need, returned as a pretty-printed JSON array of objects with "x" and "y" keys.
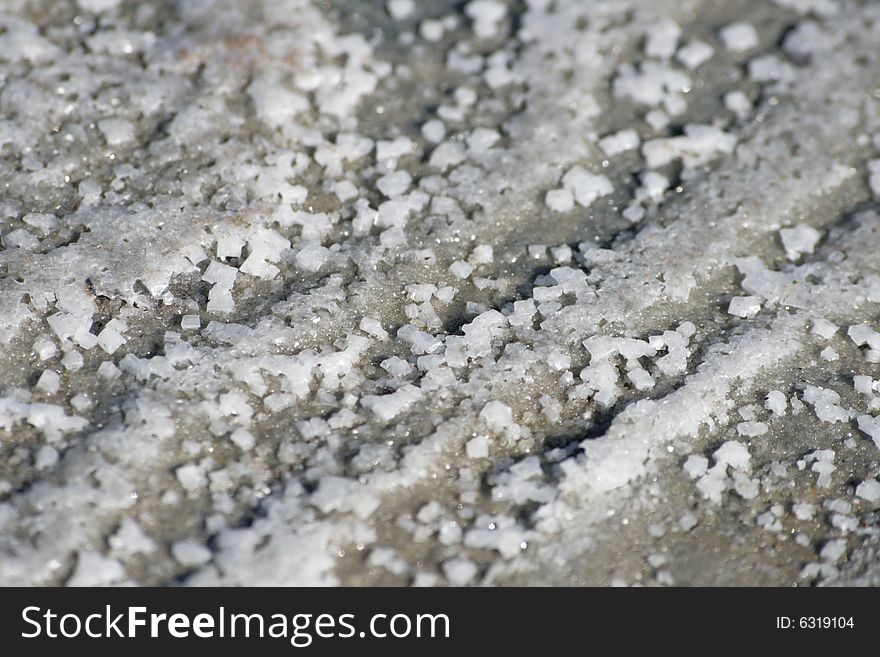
[
  {"x": 804, "y": 511},
  {"x": 190, "y": 554},
  {"x": 695, "y": 53},
  {"x": 586, "y": 187},
  {"x": 776, "y": 402},
  {"x": 108, "y": 371},
  {"x": 734, "y": 454},
  {"x": 461, "y": 269},
  {"x": 434, "y": 131},
  {"x": 874, "y": 177},
  {"x": 93, "y": 569},
  {"x": 823, "y": 328},
  {"x": 869, "y": 490},
  {"x": 739, "y": 37},
  {"x": 49, "y": 382},
  {"x": 619, "y": 142},
  {"x": 400, "y": 9},
  {"x": 44, "y": 348},
  {"x": 696, "y": 465},
  {"x": 737, "y": 102},
  {"x": 829, "y": 354},
  {"x": 478, "y": 448},
  {"x": 486, "y": 16},
  {"x": 116, "y": 131},
  {"x": 497, "y": 416},
  {"x": 744, "y": 306},
  {"x": 191, "y": 477},
  {"x": 46, "y": 457},
  {"x": 862, "y": 334},
  {"x": 799, "y": 240},
  {"x": 373, "y": 327},
  {"x": 662, "y": 39},
  {"x": 243, "y": 439},
  {"x": 833, "y": 550},
  {"x": 559, "y": 200},
  {"x": 190, "y": 322},
  {"x": 459, "y": 571}
]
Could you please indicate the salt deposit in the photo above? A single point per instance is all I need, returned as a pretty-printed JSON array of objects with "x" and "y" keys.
[{"x": 439, "y": 293}]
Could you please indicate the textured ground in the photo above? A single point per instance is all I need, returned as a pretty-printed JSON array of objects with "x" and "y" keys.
[{"x": 352, "y": 292}]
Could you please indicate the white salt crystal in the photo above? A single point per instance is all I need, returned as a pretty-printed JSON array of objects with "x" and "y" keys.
[
  {"x": 446, "y": 155},
  {"x": 863, "y": 384},
  {"x": 486, "y": 16},
  {"x": 497, "y": 416},
  {"x": 696, "y": 465},
  {"x": 823, "y": 328},
  {"x": 373, "y": 327},
  {"x": 869, "y": 490},
  {"x": 191, "y": 477},
  {"x": 49, "y": 382},
  {"x": 799, "y": 240},
  {"x": 44, "y": 348},
  {"x": 110, "y": 339},
  {"x": 776, "y": 402},
  {"x": 824, "y": 403},
  {"x": 695, "y": 53},
  {"x": 862, "y": 334},
  {"x": 483, "y": 254},
  {"x": 739, "y": 37},
  {"x": 687, "y": 522},
  {"x": 662, "y": 39},
  {"x": 93, "y": 569},
  {"x": 482, "y": 140},
  {"x": 388, "y": 152},
  {"x": 874, "y": 177},
  {"x": 459, "y": 571},
  {"x": 640, "y": 379},
  {"x": 97, "y": 6},
  {"x": 586, "y": 187},
  {"x": 619, "y": 142},
  {"x": 460, "y": 269},
  {"x": 829, "y": 354},
  {"x": 243, "y": 439},
  {"x": 804, "y": 511},
  {"x": 130, "y": 539},
  {"x": 116, "y": 131},
  {"x": 400, "y": 9},
  {"x": 81, "y": 402},
  {"x": 190, "y": 322},
  {"x": 478, "y": 448},
  {"x": 744, "y": 306},
  {"x": 220, "y": 274},
  {"x": 734, "y": 454},
  {"x": 737, "y": 102},
  {"x": 394, "y": 184},
  {"x": 559, "y": 200},
  {"x": 108, "y": 371},
  {"x": 833, "y": 550},
  {"x": 190, "y": 554},
  {"x": 345, "y": 190},
  {"x": 46, "y": 457},
  {"x": 72, "y": 361},
  {"x": 870, "y": 426},
  {"x": 751, "y": 429},
  {"x": 434, "y": 131}
]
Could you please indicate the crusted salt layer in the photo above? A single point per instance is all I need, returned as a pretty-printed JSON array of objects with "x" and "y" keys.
[{"x": 277, "y": 308}]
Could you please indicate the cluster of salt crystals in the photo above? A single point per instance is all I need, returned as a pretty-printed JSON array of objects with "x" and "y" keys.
[
  {"x": 731, "y": 470},
  {"x": 337, "y": 368}
]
